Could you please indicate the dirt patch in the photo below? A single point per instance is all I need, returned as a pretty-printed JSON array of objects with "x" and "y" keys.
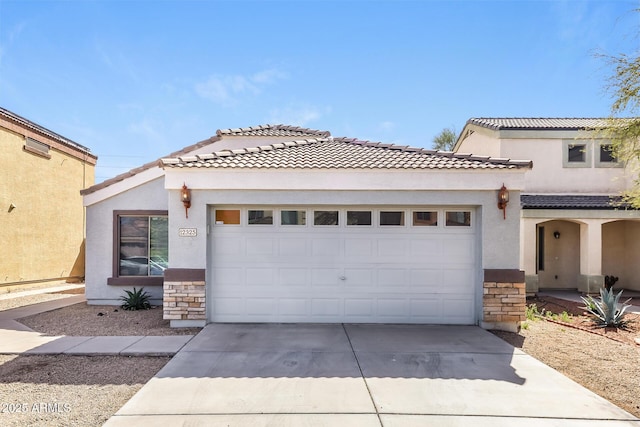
[
  {"x": 604, "y": 360},
  {"x": 103, "y": 320},
  {"x": 70, "y": 390}
]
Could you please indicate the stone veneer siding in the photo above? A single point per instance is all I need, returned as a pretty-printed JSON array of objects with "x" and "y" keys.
[
  {"x": 184, "y": 295},
  {"x": 504, "y": 302},
  {"x": 504, "y": 298}
]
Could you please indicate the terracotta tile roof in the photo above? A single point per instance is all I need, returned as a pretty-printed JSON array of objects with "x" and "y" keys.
[
  {"x": 145, "y": 167},
  {"x": 548, "y": 201},
  {"x": 340, "y": 153},
  {"x": 524, "y": 123},
  {"x": 274, "y": 130},
  {"x": 42, "y": 130},
  {"x": 259, "y": 131}
]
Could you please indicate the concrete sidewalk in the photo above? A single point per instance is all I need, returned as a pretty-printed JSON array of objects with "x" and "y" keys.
[{"x": 16, "y": 338}]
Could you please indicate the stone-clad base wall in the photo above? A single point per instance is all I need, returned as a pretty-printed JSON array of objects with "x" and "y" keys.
[
  {"x": 504, "y": 300},
  {"x": 184, "y": 300}
]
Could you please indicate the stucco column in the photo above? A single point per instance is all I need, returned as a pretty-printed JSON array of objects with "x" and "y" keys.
[
  {"x": 529, "y": 231},
  {"x": 591, "y": 278}
]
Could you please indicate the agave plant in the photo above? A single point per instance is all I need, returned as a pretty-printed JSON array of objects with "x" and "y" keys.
[
  {"x": 607, "y": 311},
  {"x": 135, "y": 300}
]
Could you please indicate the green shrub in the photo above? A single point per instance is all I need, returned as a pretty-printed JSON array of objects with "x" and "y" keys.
[
  {"x": 532, "y": 312},
  {"x": 564, "y": 317},
  {"x": 135, "y": 300},
  {"x": 607, "y": 311}
]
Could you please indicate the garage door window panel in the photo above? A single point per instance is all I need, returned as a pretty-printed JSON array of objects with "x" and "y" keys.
[
  {"x": 260, "y": 217},
  {"x": 293, "y": 217},
  {"x": 425, "y": 219},
  {"x": 325, "y": 217},
  {"x": 227, "y": 216},
  {"x": 392, "y": 218},
  {"x": 458, "y": 219},
  {"x": 355, "y": 218}
]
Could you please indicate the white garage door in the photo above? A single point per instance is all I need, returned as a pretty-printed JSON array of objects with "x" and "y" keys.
[{"x": 355, "y": 265}]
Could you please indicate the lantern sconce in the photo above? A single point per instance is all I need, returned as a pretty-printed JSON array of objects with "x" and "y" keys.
[
  {"x": 556, "y": 235},
  {"x": 503, "y": 199},
  {"x": 185, "y": 195}
]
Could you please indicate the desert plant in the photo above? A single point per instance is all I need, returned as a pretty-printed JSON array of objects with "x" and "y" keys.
[
  {"x": 532, "y": 312},
  {"x": 607, "y": 311},
  {"x": 564, "y": 317},
  {"x": 135, "y": 300}
]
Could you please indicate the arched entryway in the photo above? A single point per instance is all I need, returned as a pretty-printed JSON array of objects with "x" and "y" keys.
[{"x": 558, "y": 254}]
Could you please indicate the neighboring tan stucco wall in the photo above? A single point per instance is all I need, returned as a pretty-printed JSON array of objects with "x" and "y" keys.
[
  {"x": 621, "y": 253},
  {"x": 546, "y": 149},
  {"x": 99, "y": 247},
  {"x": 42, "y": 238},
  {"x": 549, "y": 176},
  {"x": 562, "y": 256},
  {"x": 481, "y": 142}
]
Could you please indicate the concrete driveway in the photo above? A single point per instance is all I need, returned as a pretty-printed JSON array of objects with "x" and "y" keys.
[{"x": 360, "y": 375}]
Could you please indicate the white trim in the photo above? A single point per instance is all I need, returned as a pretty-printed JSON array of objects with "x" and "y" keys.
[
  {"x": 351, "y": 179},
  {"x": 122, "y": 186}
]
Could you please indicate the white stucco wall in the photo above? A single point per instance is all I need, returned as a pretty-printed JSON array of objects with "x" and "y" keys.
[
  {"x": 500, "y": 237},
  {"x": 99, "y": 243}
]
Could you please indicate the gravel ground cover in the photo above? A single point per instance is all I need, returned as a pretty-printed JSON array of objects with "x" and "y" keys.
[
  {"x": 97, "y": 320},
  {"x": 606, "y": 361},
  {"x": 69, "y": 390}
]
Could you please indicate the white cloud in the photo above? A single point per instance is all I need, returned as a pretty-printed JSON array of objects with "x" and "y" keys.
[
  {"x": 269, "y": 76},
  {"x": 297, "y": 115},
  {"x": 386, "y": 126},
  {"x": 147, "y": 129},
  {"x": 229, "y": 89},
  {"x": 12, "y": 35},
  {"x": 117, "y": 62}
]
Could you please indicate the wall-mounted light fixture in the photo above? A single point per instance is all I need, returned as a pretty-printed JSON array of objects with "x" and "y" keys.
[
  {"x": 12, "y": 207},
  {"x": 503, "y": 199},
  {"x": 556, "y": 234},
  {"x": 185, "y": 195}
]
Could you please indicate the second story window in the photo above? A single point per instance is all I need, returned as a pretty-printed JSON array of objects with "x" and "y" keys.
[
  {"x": 577, "y": 153},
  {"x": 606, "y": 154}
]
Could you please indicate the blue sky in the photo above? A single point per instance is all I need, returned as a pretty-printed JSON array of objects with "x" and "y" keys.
[{"x": 136, "y": 80}]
